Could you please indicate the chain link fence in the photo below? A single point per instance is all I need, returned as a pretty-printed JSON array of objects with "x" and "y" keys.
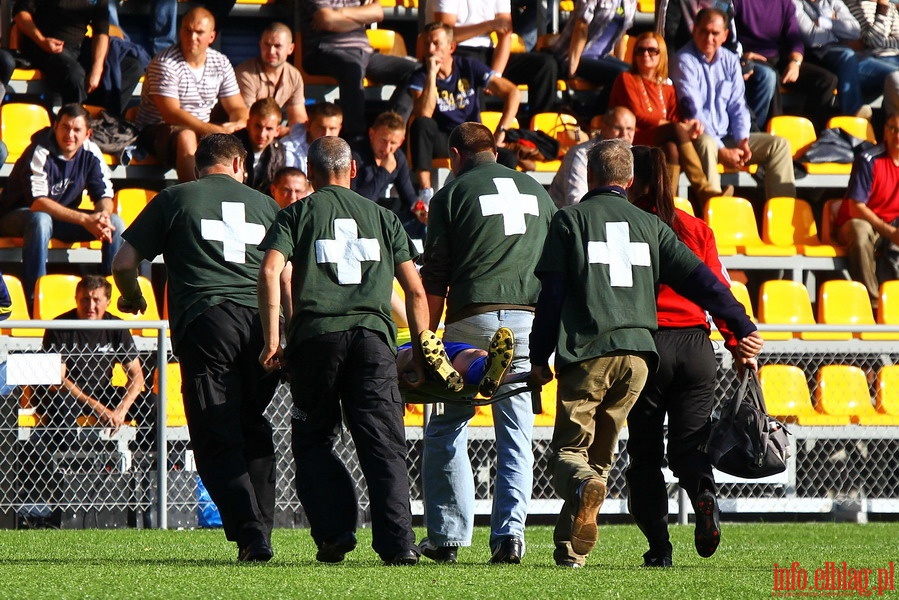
[{"x": 59, "y": 467}]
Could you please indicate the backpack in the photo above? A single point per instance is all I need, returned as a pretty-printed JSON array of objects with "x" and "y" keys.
[{"x": 112, "y": 134}]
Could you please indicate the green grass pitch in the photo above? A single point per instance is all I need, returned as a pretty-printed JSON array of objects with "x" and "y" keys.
[{"x": 200, "y": 564}]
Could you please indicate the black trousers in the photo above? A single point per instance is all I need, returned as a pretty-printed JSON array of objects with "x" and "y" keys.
[
  {"x": 427, "y": 142},
  {"x": 537, "y": 70},
  {"x": 354, "y": 371},
  {"x": 226, "y": 393},
  {"x": 683, "y": 387}
]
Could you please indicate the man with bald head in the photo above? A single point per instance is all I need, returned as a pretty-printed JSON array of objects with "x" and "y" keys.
[
  {"x": 345, "y": 251},
  {"x": 570, "y": 183},
  {"x": 183, "y": 84},
  {"x": 269, "y": 75}
]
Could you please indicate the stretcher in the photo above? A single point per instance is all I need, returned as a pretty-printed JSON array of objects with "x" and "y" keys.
[{"x": 431, "y": 392}]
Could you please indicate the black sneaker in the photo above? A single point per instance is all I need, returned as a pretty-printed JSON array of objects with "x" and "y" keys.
[
  {"x": 406, "y": 558},
  {"x": 439, "y": 554},
  {"x": 657, "y": 561},
  {"x": 258, "y": 551},
  {"x": 509, "y": 552},
  {"x": 708, "y": 529},
  {"x": 335, "y": 550}
]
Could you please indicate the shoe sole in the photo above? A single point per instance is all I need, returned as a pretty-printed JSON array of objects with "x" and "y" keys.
[
  {"x": 438, "y": 362},
  {"x": 585, "y": 531},
  {"x": 708, "y": 530},
  {"x": 499, "y": 360}
]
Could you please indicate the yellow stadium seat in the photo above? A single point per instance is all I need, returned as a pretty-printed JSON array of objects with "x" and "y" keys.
[
  {"x": 800, "y": 134},
  {"x": 517, "y": 42},
  {"x": 784, "y": 302},
  {"x": 842, "y": 302},
  {"x": 414, "y": 415},
  {"x": 54, "y": 295},
  {"x": 174, "y": 410},
  {"x": 18, "y": 122},
  {"x": 490, "y": 120},
  {"x": 733, "y": 221},
  {"x": 888, "y": 307},
  {"x": 786, "y": 394},
  {"x": 560, "y": 126},
  {"x": 387, "y": 41},
  {"x": 130, "y": 201},
  {"x": 843, "y": 390},
  {"x": 684, "y": 204},
  {"x": 887, "y": 391},
  {"x": 547, "y": 416},
  {"x": 483, "y": 417},
  {"x": 789, "y": 222},
  {"x": 857, "y": 126}
]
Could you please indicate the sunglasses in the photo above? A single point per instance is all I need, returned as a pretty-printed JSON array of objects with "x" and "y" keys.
[{"x": 646, "y": 50}]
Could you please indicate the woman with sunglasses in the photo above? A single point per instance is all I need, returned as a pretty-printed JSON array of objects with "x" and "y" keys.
[{"x": 648, "y": 92}]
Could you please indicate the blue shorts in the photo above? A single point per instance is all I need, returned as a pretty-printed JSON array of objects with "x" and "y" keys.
[{"x": 453, "y": 349}]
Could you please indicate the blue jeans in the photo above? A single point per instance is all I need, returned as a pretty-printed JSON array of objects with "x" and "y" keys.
[
  {"x": 859, "y": 77},
  {"x": 37, "y": 228},
  {"x": 163, "y": 31},
  {"x": 448, "y": 479},
  {"x": 760, "y": 89}
]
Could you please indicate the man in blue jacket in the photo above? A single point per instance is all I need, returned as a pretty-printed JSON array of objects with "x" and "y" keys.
[{"x": 44, "y": 190}]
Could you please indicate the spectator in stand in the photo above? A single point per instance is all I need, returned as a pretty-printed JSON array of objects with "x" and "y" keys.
[
  {"x": 473, "y": 21},
  {"x": 265, "y": 154},
  {"x": 674, "y": 19},
  {"x": 41, "y": 197},
  {"x": 867, "y": 218},
  {"x": 648, "y": 92},
  {"x": 53, "y": 40},
  {"x": 570, "y": 182},
  {"x": 445, "y": 92},
  {"x": 89, "y": 357},
  {"x": 269, "y": 75},
  {"x": 879, "y": 22},
  {"x": 325, "y": 118},
  {"x": 592, "y": 44},
  {"x": 709, "y": 80},
  {"x": 832, "y": 36},
  {"x": 381, "y": 165},
  {"x": 335, "y": 44},
  {"x": 771, "y": 40},
  {"x": 289, "y": 185},
  {"x": 176, "y": 102}
]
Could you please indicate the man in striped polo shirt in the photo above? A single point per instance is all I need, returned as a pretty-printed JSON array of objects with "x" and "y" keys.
[{"x": 183, "y": 83}]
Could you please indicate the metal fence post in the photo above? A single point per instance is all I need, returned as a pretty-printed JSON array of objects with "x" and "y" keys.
[{"x": 162, "y": 449}]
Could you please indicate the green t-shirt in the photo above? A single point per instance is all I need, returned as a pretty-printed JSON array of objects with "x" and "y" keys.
[
  {"x": 344, "y": 250},
  {"x": 207, "y": 232},
  {"x": 485, "y": 231},
  {"x": 613, "y": 256}
]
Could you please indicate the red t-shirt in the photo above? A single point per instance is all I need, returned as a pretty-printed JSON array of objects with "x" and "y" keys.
[{"x": 874, "y": 182}]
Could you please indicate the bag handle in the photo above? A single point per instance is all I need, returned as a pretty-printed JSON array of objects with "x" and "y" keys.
[{"x": 750, "y": 391}]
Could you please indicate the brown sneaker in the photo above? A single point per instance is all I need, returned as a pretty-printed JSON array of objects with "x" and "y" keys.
[
  {"x": 499, "y": 359},
  {"x": 438, "y": 362},
  {"x": 584, "y": 531}
]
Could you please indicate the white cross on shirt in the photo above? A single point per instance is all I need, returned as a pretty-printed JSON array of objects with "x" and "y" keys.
[
  {"x": 511, "y": 204},
  {"x": 348, "y": 251},
  {"x": 233, "y": 231},
  {"x": 620, "y": 253}
]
